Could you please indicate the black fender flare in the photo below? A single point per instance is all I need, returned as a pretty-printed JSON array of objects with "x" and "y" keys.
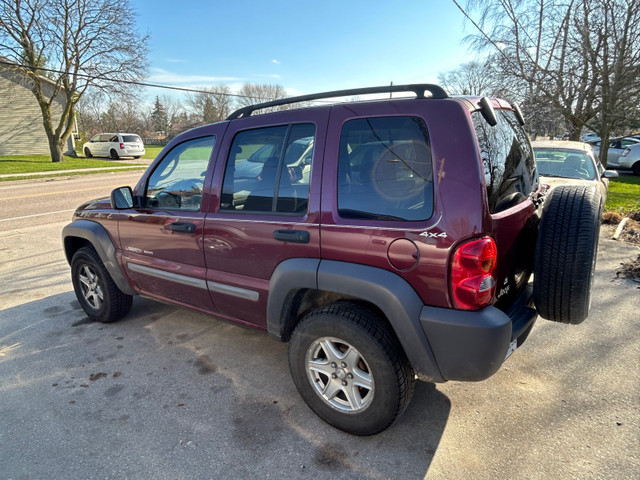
[
  {"x": 389, "y": 292},
  {"x": 99, "y": 238}
]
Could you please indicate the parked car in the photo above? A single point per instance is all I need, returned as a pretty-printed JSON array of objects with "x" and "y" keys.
[
  {"x": 589, "y": 137},
  {"x": 114, "y": 145},
  {"x": 630, "y": 159},
  {"x": 616, "y": 148},
  {"x": 407, "y": 250},
  {"x": 571, "y": 163}
]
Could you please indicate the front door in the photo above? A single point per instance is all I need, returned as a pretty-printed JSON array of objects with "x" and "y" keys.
[{"x": 161, "y": 241}]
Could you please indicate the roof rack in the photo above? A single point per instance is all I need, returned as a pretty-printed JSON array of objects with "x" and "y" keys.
[{"x": 419, "y": 89}]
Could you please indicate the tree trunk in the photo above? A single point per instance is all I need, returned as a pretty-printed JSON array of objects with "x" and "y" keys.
[
  {"x": 604, "y": 146},
  {"x": 56, "y": 149}
]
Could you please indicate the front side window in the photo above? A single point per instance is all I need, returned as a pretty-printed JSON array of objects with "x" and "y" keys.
[
  {"x": 268, "y": 170},
  {"x": 509, "y": 165},
  {"x": 176, "y": 183},
  {"x": 385, "y": 170}
]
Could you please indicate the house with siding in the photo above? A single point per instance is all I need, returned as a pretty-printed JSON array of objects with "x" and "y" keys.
[{"x": 21, "y": 129}]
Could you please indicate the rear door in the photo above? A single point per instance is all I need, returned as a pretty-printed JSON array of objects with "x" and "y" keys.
[{"x": 261, "y": 217}]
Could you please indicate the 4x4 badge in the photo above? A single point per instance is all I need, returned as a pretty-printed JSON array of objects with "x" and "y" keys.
[{"x": 434, "y": 235}]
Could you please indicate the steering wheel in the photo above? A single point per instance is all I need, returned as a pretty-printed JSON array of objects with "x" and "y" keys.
[{"x": 168, "y": 199}]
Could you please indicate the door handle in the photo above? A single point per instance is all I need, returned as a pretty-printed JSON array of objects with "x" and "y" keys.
[
  {"x": 293, "y": 236},
  {"x": 182, "y": 227}
]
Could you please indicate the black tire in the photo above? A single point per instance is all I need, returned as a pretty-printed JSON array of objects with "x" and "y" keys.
[
  {"x": 87, "y": 153},
  {"x": 374, "y": 356},
  {"x": 566, "y": 251},
  {"x": 114, "y": 154},
  {"x": 136, "y": 156},
  {"x": 96, "y": 291},
  {"x": 636, "y": 168}
]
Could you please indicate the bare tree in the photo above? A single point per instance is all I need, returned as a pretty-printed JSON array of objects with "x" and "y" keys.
[
  {"x": 214, "y": 104},
  {"x": 578, "y": 55},
  {"x": 82, "y": 43},
  {"x": 473, "y": 78},
  {"x": 252, "y": 93}
]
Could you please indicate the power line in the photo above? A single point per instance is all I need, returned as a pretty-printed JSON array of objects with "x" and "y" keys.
[
  {"x": 126, "y": 82},
  {"x": 482, "y": 31}
]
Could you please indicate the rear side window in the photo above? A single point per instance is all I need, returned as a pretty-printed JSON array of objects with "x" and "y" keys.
[
  {"x": 268, "y": 170},
  {"x": 509, "y": 165},
  {"x": 385, "y": 170},
  {"x": 131, "y": 139}
]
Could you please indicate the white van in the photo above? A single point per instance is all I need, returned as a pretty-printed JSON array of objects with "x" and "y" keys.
[{"x": 114, "y": 145}]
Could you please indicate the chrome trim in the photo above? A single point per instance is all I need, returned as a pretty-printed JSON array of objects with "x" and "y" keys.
[
  {"x": 172, "y": 277},
  {"x": 251, "y": 295}
]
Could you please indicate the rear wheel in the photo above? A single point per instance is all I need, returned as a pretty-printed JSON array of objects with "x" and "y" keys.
[
  {"x": 114, "y": 154},
  {"x": 566, "y": 253},
  {"x": 350, "y": 369},
  {"x": 99, "y": 296}
]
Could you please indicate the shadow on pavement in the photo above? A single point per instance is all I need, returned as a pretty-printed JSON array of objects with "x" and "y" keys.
[{"x": 169, "y": 393}]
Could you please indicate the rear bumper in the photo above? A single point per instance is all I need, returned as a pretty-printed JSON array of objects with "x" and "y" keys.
[{"x": 472, "y": 345}]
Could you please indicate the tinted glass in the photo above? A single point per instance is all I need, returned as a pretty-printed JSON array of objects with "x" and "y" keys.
[
  {"x": 131, "y": 139},
  {"x": 268, "y": 170},
  {"x": 509, "y": 166},
  {"x": 564, "y": 163},
  {"x": 176, "y": 183},
  {"x": 385, "y": 170}
]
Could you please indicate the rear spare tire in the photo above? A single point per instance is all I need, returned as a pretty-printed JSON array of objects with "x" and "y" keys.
[{"x": 566, "y": 251}]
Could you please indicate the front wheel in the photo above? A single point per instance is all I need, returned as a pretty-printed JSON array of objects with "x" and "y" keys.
[
  {"x": 87, "y": 153},
  {"x": 99, "y": 296},
  {"x": 350, "y": 369},
  {"x": 636, "y": 168}
]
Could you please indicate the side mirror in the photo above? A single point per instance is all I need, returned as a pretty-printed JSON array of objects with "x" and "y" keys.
[
  {"x": 122, "y": 198},
  {"x": 610, "y": 174}
]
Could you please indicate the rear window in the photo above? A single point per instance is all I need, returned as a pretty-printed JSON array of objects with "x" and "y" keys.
[
  {"x": 385, "y": 170},
  {"x": 131, "y": 139},
  {"x": 509, "y": 165}
]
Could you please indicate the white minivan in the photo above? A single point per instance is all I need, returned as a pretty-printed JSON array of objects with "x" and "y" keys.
[{"x": 114, "y": 145}]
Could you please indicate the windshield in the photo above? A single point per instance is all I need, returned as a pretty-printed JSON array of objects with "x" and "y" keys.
[{"x": 565, "y": 163}]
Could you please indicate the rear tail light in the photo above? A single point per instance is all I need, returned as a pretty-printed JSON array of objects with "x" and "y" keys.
[
  {"x": 626, "y": 152},
  {"x": 473, "y": 283},
  {"x": 122, "y": 146}
]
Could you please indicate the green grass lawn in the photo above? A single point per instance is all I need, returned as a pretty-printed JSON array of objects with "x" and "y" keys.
[
  {"x": 624, "y": 194},
  {"x": 43, "y": 163}
]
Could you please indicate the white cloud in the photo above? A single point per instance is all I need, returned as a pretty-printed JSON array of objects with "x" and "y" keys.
[
  {"x": 175, "y": 60},
  {"x": 158, "y": 75},
  {"x": 275, "y": 61}
]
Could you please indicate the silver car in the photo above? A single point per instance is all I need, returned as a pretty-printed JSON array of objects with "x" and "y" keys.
[
  {"x": 616, "y": 149},
  {"x": 630, "y": 159},
  {"x": 571, "y": 163}
]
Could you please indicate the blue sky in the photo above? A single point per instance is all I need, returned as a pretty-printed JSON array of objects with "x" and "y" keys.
[{"x": 304, "y": 46}]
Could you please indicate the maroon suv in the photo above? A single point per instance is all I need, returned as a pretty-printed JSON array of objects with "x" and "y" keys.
[{"x": 383, "y": 240}]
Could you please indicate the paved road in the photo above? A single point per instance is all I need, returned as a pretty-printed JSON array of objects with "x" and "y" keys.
[
  {"x": 172, "y": 394},
  {"x": 40, "y": 202}
]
